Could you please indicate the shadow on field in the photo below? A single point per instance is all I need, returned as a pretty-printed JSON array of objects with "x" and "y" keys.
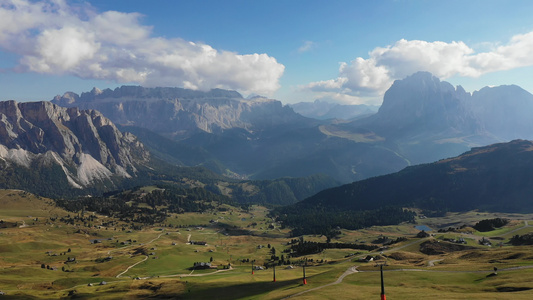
[{"x": 245, "y": 290}]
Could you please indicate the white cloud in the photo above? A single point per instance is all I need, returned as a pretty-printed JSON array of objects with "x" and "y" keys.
[
  {"x": 53, "y": 37},
  {"x": 307, "y": 46},
  {"x": 374, "y": 75}
]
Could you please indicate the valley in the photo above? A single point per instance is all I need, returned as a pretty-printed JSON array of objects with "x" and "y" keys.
[
  {"x": 51, "y": 253},
  {"x": 266, "y": 149}
]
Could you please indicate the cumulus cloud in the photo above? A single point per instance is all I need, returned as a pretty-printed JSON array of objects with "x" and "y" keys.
[
  {"x": 53, "y": 37},
  {"x": 374, "y": 75}
]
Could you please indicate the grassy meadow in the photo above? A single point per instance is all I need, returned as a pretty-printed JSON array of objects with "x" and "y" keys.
[{"x": 43, "y": 257}]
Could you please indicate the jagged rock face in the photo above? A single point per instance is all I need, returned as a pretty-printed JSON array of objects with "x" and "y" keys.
[
  {"x": 87, "y": 145},
  {"x": 423, "y": 103},
  {"x": 180, "y": 112}
]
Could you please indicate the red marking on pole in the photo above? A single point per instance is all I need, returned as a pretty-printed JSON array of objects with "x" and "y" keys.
[
  {"x": 305, "y": 281},
  {"x": 253, "y": 273},
  {"x": 383, "y": 297}
]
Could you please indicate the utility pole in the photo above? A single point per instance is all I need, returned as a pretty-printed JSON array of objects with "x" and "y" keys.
[
  {"x": 305, "y": 263},
  {"x": 253, "y": 266},
  {"x": 383, "y": 297}
]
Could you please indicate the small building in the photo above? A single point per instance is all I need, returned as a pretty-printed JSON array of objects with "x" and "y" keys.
[
  {"x": 201, "y": 243},
  {"x": 201, "y": 265},
  {"x": 368, "y": 258},
  {"x": 422, "y": 234}
]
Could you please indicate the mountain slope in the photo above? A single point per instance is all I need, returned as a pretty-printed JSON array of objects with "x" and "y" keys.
[
  {"x": 498, "y": 177},
  {"x": 478, "y": 179},
  {"x": 86, "y": 146}
]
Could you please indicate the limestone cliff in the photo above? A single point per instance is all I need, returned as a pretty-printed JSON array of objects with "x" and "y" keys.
[
  {"x": 180, "y": 112},
  {"x": 88, "y": 146}
]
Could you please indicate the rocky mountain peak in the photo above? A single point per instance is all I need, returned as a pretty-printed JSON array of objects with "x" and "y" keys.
[
  {"x": 81, "y": 140},
  {"x": 96, "y": 91},
  {"x": 422, "y": 100}
]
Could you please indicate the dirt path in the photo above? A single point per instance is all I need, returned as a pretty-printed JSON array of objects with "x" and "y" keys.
[
  {"x": 128, "y": 268},
  {"x": 432, "y": 262},
  {"x": 194, "y": 275},
  {"x": 350, "y": 270},
  {"x": 23, "y": 224},
  {"x": 517, "y": 229},
  {"x": 479, "y": 237},
  {"x": 129, "y": 246}
]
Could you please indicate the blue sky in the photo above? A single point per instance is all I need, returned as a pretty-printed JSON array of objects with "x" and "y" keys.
[{"x": 291, "y": 50}]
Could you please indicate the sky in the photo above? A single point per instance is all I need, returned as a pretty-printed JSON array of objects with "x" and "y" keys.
[{"x": 291, "y": 50}]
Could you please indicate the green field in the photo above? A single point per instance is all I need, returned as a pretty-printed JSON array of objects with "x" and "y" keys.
[{"x": 45, "y": 258}]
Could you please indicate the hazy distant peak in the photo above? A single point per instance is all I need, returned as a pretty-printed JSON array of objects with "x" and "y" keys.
[
  {"x": 459, "y": 89},
  {"x": 96, "y": 91},
  {"x": 66, "y": 99},
  {"x": 503, "y": 90},
  {"x": 138, "y": 92}
]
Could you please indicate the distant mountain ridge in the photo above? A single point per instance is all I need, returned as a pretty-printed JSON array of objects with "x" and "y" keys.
[
  {"x": 256, "y": 138},
  {"x": 422, "y": 119},
  {"x": 86, "y": 145},
  {"x": 181, "y": 113},
  {"x": 323, "y": 110}
]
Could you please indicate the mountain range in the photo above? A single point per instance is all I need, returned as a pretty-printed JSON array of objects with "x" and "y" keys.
[
  {"x": 181, "y": 113},
  {"x": 422, "y": 119},
  {"x": 66, "y": 152},
  {"x": 254, "y": 138}
]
